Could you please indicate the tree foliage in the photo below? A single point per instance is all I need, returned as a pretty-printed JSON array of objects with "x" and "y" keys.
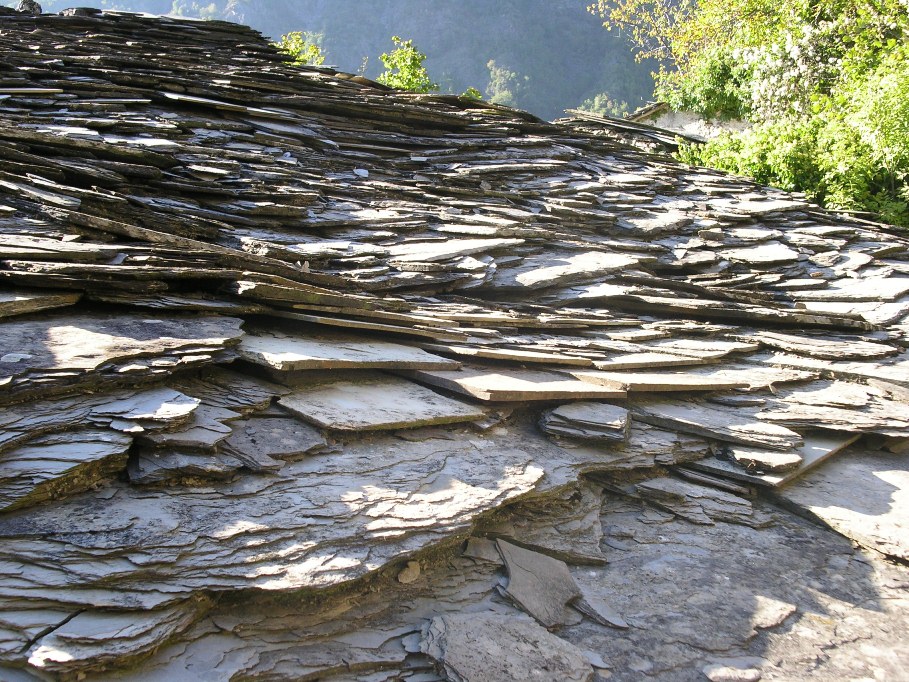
[
  {"x": 824, "y": 82},
  {"x": 303, "y": 47},
  {"x": 505, "y": 87},
  {"x": 404, "y": 68},
  {"x": 604, "y": 105}
]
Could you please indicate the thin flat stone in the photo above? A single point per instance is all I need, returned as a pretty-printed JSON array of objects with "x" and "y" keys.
[
  {"x": 272, "y": 437},
  {"x": 538, "y": 272},
  {"x": 60, "y": 464},
  {"x": 661, "y": 382},
  {"x": 541, "y": 585},
  {"x": 21, "y": 302},
  {"x": 824, "y": 347},
  {"x": 588, "y": 421},
  {"x": 516, "y": 385},
  {"x": 730, "y": 425},
  {"x": 286, "y": 352},
  {"x": 376, "y": 402},
  {"x": 816, "y": 448}
]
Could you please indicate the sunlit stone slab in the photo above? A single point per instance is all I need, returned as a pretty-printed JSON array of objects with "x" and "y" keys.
[
  {"x": 287, "y": 352},
  {"x": 516, "y": 385},
  {"x": 376, "y": 402}
]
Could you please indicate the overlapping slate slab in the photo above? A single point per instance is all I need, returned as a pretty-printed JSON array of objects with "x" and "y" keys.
[
  {"x": 544, "y": 271},
  {"x": 376, "y": 402},
  {"x": 60, "y": 464},
  {"x": 22, "y": 302},
  {"x": 588, "y": 421},
  {"x": 816, "y": 448},
  {"x": 61, "y": 351},
  {"x": 307, "y": 197},
  {"x": 515, "y": 385},
  {"x": 730, "y": 425},
  {"x": 289, "y": 351}
]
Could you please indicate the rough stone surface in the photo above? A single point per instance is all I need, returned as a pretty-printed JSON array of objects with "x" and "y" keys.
[{"x": 474, "y": 648}]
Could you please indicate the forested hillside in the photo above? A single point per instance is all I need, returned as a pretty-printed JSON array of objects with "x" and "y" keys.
[{"x": 540, "y": 55}]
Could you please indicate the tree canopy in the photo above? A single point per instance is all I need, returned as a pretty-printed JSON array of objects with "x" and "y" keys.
[
  {"x": 824, "y": 82},
  {"x": 303, "y": 48},
  {"x": 404, "y": 68}
]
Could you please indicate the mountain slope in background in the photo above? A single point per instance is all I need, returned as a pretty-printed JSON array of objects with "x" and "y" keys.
[{"x": 552, "y": 54}]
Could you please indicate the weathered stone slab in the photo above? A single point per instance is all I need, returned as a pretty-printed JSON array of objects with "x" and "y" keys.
[
  {"x": 260, "y": 439},
  {"x": 661, "y": 382},
  {"x": 862, "y": 494},
  {"x": 65, "y": 350},
  {"x": 550, "y": 270},
  {"x": 764, "y": 461},
  {"x": 289, "y": 351},
  {"x": 515, "y": 385},
  {"x": 509, "y": 354},
  {"x": 478, "y": 647},
  {"x": 824, "y": 347},
  {"x": 863, "y": 289},
  {"x": 770, "y": 253},
  {"x": 21, "y": 302},
  {"x": 95, "y": 639},
  {"x": 816, "y": 448},
  {"x": 696, "y": 503},
  {"x": 207, "y": 427},
  {"x": 588, "y": 421},
  {"x": 325, "y": 519},
  {"x": 60, "y": 464},
  {"x": 730, "y": 425},
  {"x": 541, "y": 585},
  {"x": 376, "y": 402},
  {"x": 652, "y": 361},
  {"x": 432, "y": 251}
]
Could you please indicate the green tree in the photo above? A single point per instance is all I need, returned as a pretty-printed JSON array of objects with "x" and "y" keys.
[
  {"x": 404, "y": 68},
  {"x": 603, "y": 105},
  {"x": 304, "y": 48},
  {"x": 505, "y": 87},
  {"x": 824, "y": 82}
]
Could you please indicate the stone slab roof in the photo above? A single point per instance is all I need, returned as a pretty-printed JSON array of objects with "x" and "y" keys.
[{"x": 272, "y": 338}]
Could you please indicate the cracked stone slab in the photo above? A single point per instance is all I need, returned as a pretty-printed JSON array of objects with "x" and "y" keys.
[
  {"x": 287, "y": 351},
  {"x": 318, "y": 522},
  {"x": 94, "y": 639},
  {"x": 480, "y": 647},
  {"x": 273, "y": 437},
  {"x": 376, "y": 402},
  {"x": 550, "y": 270}
]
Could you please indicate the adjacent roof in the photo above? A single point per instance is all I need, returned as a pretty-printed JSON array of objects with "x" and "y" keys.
[{"x": 271, "y": 335}]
